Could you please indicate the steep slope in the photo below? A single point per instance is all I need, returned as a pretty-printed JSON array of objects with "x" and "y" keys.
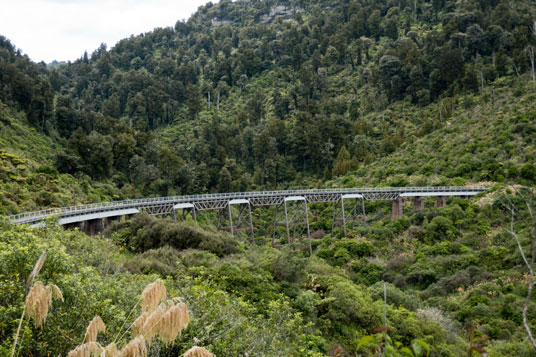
[
  {"x": 483, "y": 137},
  {"x": 263, "y": 90},
  {"x": 28, "y": 178}
]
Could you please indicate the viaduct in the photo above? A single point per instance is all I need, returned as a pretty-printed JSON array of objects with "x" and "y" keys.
[{"x": 291, "y": 219}]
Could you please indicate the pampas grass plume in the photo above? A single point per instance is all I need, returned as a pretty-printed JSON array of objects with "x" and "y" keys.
[
  {"x": 39, "y": 300},
  {"x": 173, "y": 321},
  {"x": 137, "y": 325},
  {"x": 95, "y": 326},
  {"x": 198, "y": 352},
  {"x": 152, "y": 295},
  {"x": 54, "y": 291},
  {"x": 151, "y": 325},
  {"x": 135, "y": 348},
  {"x": 167, "y": 321},
  {"x": 111, "y": 351},
  {"x": 36, "y": 269},
  {"x": 87, "y": 350}
]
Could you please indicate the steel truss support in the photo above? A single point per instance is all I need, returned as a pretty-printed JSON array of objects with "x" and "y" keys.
[
  {"x": 158, "y": 210},
  {"x": 292, "y": 212},
  {"x": 185, "y": 208},
  {"x": 242, "y": 216},
  {"x": 341, "y": 215}
]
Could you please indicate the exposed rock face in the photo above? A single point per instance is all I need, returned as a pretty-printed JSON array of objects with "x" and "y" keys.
[
  {"x": 217, "y": 22},
  {"x": 282, "y": 11}
]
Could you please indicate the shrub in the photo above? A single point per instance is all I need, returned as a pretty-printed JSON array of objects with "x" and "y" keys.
[
  {"x": 340, "y": 256},
  {"x": 253, "y": 283},
  {"x": 48, "y": 170},
  {"x": 163, "y": 261},
  {"x": 196, "y": 258},
  {"x": 356, "y": 249},
  {"x": 528, "y": 172},
  {"x": 395, "y": 296},
  {"x": 348, "y": 306},
  {"x": 306, "y": 303},
  {"x": 433, "y": 314},
  {"x": 289, "y": 267},
  {"x": 144, "y": 232},
  {"x": 367, "y": 273},
  {"x": 441, "y": 228}
]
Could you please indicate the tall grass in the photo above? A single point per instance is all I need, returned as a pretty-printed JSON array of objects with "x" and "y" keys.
[
  {"x": 38, "y": 299},
  {"x": 160, "y": 317}
]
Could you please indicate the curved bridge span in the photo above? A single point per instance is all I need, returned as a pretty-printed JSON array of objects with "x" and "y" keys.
[{"x": 235, "y": 208}]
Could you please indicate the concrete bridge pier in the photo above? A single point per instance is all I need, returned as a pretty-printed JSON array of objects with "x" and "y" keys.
[
  {"x": 441, "y": 201},
  {"x": 397, "y": 208},
  {"x": 418, "y": 204},
  {"x": 109, "y": 220},
  {"x": 93, "y": 226}
]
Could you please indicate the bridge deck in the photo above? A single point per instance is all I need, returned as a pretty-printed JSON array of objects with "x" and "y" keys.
[{"x": 160, "y": 205}]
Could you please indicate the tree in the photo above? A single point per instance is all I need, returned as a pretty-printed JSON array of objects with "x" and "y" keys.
[
  {"x": 390, "y": 72},
  {"x": 112, "y": 106},
  {"x": 255, "y": 107},
  {"x": 67, "y": 162},
  {"x": 528, "y": 172},
  {"x": 194, "y": 101},
  {"x": 530, "y": 51},
  {"x": 67, "y": 119},
  {"x": 343, "y": 163},
  {"x": 98, "y": 155},
  {"x": 225, "y": 180},
  {"x": 170, "y": 164},
  {"x": 136, "y": 109},
  {"x": 373, "y": 24}
]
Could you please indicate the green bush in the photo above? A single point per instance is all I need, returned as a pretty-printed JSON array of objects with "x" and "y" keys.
[
  {"x": 48, "y": 170},
  {"x": 441, "y": 228},
  {"x": 163, "y": 261},
  {"x": 395, "y": 296},
  {"x": 528, "y": 172},
  {"x": 144, "y": 232},
  {"x": 289, "y": 267}
]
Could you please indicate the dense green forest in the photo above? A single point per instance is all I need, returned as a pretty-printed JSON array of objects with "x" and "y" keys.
[{"x": 252, "y": 95}]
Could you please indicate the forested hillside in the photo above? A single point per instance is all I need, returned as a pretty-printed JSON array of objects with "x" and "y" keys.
[{"x": 251, "y": 95}]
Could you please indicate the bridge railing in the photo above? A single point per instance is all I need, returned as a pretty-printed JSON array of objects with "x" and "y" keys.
[{"x": 67, "y": 211}]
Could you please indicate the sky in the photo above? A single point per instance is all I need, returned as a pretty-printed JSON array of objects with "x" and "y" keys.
[{"x": 62, "y": 30}]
